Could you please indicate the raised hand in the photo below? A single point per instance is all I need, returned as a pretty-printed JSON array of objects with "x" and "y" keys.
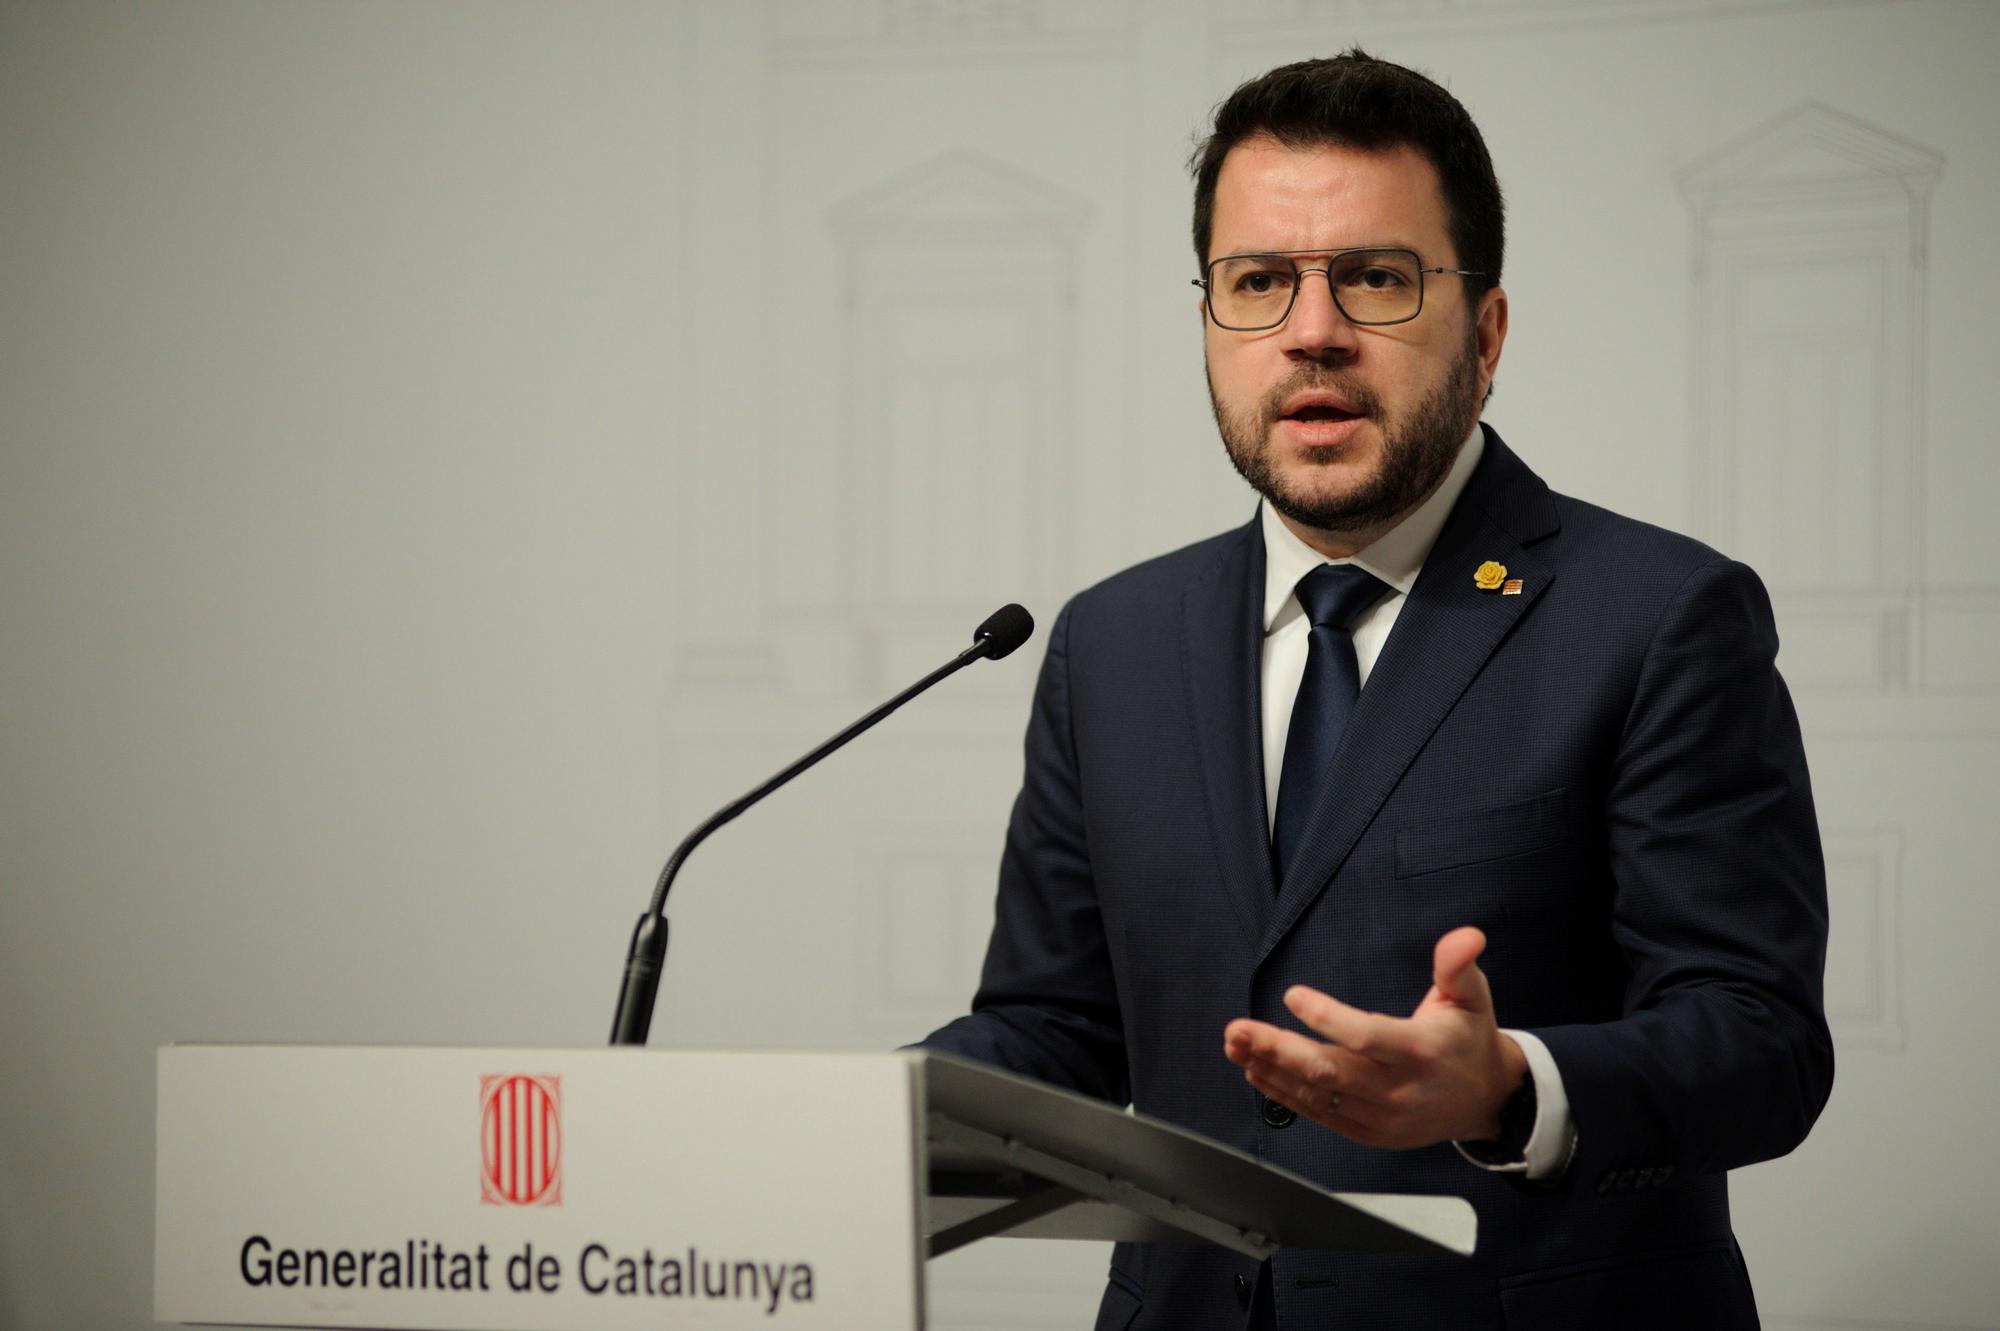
[{"x": 1440, "y": 1074}]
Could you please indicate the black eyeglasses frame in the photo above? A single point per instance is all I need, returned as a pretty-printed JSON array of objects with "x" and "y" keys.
[{"x": 1326, "y": 271}]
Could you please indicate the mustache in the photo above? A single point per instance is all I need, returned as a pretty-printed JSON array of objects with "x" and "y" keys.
[{"x": 1311, "y": 378}]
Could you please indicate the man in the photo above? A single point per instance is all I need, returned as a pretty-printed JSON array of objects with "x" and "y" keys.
[{"x": 1423, "y": 748}]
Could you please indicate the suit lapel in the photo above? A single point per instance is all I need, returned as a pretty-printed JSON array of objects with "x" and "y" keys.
[
  {"x": 1222, "y": 638},
  {"x": 1443, "y": 636}
]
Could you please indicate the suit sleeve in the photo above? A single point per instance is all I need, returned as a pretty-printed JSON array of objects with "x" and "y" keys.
[
  {"x": 1047, "y": 1005},
  {"x": 1722, "y": 1056}
]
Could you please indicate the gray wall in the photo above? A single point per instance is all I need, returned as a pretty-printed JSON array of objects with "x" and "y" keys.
[{"x": 445, "y": 450}]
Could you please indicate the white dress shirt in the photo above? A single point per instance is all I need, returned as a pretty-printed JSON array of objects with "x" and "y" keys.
[{"x": 1396, "y": 558}]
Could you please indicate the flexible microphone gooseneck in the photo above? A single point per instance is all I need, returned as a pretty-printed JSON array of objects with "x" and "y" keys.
[{"x": 1003, "y": 631}]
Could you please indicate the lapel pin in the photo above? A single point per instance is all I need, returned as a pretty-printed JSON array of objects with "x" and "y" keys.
[
  {"x": 1489, "y": 576},
  {"x": 1511, "y": 587}
]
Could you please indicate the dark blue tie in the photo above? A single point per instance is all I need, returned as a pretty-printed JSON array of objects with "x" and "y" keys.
[{"x": 1333, "y": 597}]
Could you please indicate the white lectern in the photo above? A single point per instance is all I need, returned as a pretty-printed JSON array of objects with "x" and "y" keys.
[{"x": 553, "y": 1189}]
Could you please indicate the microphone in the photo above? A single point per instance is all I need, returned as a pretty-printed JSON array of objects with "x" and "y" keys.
[
  {"x": 998, "y": 635},
  {"x": 1003, "y": 631}
]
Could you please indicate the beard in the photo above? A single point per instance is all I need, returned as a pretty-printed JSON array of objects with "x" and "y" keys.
[{"x": 1418, "y": 446}]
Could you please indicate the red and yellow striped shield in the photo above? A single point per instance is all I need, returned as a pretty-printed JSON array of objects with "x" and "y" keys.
[{"x": 520, "y": 1140}]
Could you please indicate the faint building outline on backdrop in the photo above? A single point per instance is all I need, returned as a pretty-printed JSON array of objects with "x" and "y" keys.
[
  {"x": 1864, "y": 969},
  {"x": 957, "y": 332},
  {"x": 814, "y": 32},
  {"x": 925, "y": 912},
  {"x": 1810, "y": 250},
  {"x": 1276, "y": 23}
]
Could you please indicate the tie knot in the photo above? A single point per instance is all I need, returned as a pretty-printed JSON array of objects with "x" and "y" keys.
[{"x": 1334, "y": 595}]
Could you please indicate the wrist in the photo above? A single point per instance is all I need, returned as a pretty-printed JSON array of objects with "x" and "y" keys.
[{"x": 1504, "y": 1108}]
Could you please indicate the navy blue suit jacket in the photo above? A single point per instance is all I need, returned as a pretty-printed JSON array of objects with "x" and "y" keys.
[{"x": 1604, "y": 772}]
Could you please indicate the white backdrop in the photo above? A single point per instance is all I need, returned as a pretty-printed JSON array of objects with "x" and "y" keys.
[{"x": 447, "y": 449}]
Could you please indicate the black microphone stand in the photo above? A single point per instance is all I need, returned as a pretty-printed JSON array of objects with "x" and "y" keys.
[{"x": 1003, "y": 631}]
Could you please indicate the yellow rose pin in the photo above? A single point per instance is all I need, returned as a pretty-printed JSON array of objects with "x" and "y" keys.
[{"x": 1489, "y": 576}]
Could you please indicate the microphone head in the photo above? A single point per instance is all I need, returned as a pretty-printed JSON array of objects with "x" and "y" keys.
[{"x": 1004, "y": 630}]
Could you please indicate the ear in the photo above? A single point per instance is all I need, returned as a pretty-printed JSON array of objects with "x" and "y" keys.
[{"x": 1490, "y": 330}]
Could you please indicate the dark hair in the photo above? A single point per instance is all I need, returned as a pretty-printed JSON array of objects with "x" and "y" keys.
[{"x": 1353, "y": 100}]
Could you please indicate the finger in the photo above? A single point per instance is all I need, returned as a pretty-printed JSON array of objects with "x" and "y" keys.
[
  {"x": 1347, "y": 1113},
  {"x": 1301, "y": 1065},
  {"x": 1455, "y": 972},
  {"x": 1335, "y": 1072},
  {"x": 1253, "y": 1042},
  {"x": 1369, "y": 1034},
  {"x": 1317, "y": 1100},
  {"x": 1242, "y": 1037}
]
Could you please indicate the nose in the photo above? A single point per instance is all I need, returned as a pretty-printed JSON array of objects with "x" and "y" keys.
[{"x": 1316, "y": 329}]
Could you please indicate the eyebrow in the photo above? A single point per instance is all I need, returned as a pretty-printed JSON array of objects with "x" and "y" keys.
[{"x": 1336, "y": 249}]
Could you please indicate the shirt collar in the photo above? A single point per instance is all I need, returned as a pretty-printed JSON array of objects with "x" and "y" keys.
[{"x": 1396, "y": 557}]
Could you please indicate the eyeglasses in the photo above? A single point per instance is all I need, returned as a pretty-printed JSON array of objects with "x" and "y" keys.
[{"x": 1248, "y": 293}]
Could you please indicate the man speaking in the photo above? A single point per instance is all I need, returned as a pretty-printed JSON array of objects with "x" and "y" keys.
[{"x": 1433, "y": 832}]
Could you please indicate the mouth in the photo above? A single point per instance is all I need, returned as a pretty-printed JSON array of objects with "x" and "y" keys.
[
  {"x": 1319, "y": 405},
  {"x": 1320, "y": 412},
  {"x": 1319, "y": 419}
]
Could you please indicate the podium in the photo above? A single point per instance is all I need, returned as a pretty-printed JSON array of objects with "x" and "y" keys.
[{"x": 555, "y": 1189}]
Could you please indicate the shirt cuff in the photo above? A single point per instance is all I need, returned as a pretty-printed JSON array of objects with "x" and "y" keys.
[{"x": 1553, "y": 1140}]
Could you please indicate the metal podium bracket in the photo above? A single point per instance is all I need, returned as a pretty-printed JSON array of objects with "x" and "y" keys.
[
  {"x": 1034, "y": 1205},
  {"x": 1075, "y": 1179}
]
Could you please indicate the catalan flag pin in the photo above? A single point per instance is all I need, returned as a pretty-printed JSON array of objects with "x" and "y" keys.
[
  {"x": 1489, "y": 575},
  {"x": 1511, "y": 587}
]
